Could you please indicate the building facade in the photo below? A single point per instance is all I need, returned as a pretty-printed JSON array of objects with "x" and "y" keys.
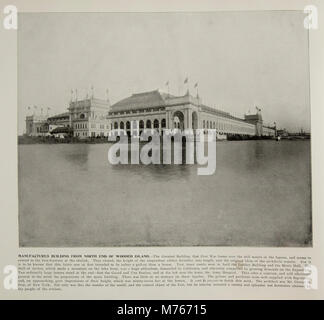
[
  {"x": 59, "y": 125},
  {"x": 160, "y": 110},
  {"x": 59, "y": 120},
  {"x": 36, "y": 125},
  {"x": 88, "y": 118},
  {"x": 93, "y": 117}
]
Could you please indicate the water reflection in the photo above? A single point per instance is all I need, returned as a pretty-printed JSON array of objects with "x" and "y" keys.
[
  {"x": 259, "y": 150},
  {"x": 76, "y": 154},
  {"x": 157, "y": 171},
  {"x": 70, "y": 195}
]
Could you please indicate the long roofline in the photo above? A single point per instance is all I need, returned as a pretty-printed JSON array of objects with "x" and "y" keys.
[
  {"x": 60, "y": 115},
  {"x": 154, "y": 98},
  {"x": 165, "y": 97}
]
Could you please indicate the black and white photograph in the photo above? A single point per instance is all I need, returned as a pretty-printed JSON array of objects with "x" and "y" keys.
[{"x": 88, "y": 80}]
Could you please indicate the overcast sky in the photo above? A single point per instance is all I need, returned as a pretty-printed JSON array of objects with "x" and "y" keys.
[{"x": 239, "y": 59}]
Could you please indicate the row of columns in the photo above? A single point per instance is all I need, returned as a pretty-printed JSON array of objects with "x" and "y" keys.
[
  {"x": 144, "y": 121},
  {"x": 169, "y": 119},
  {"x": 207, "y": 124}
]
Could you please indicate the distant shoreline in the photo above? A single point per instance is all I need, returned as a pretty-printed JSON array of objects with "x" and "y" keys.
[
  {"x": 53, "y": 140},
  {"x": 99, "y": 140}
]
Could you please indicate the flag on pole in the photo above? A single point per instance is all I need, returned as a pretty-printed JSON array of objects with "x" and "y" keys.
[
  {"x": 196, "y": 87},
  {"x": 186, "y": 80},
  {"x": 167, "y": 85}
]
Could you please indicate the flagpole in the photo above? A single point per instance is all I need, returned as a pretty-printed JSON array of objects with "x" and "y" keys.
[
  {"x": 187, "y": 82},
  {"x": 167, "y": 85},
  {"x": 107, "y": 94}
]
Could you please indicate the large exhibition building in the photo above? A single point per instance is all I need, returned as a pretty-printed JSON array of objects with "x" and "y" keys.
[{"x": 93, "y": 117}]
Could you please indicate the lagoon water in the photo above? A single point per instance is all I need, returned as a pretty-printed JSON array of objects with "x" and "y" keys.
[{"x": 260, "y": 195}]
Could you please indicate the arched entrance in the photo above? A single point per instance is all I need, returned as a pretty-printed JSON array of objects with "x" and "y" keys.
[
  {"x": 178, "y": 120},
  {"x": 156, "y": 124},
  {"x": 128, "y": 127},
  {"x": 141, "y": 126}
]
